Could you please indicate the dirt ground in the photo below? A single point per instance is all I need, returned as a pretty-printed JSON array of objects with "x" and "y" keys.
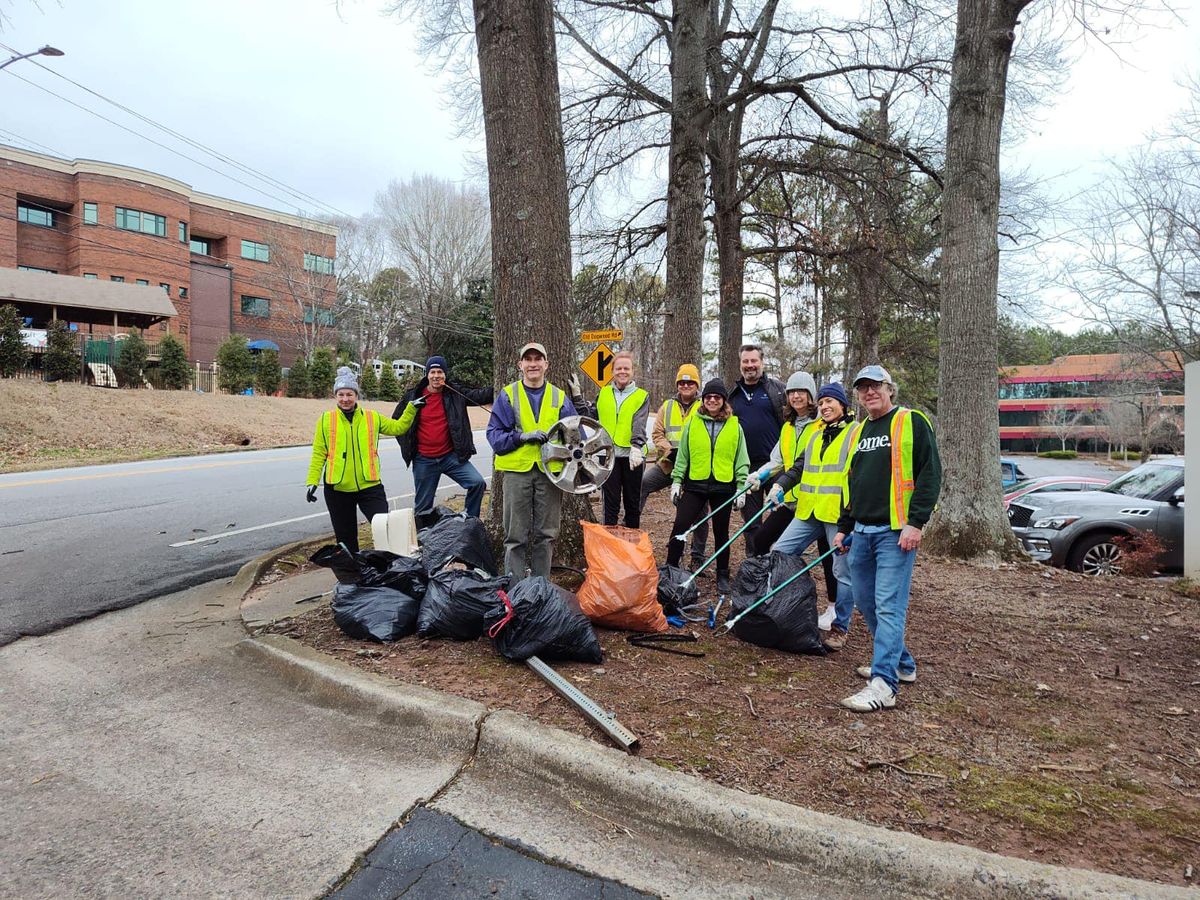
[
  {"x": 50, "y": 425},
  {"x": 1055, "y": 718}
]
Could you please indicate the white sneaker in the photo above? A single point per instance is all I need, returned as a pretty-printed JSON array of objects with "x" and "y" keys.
[
  {"x": 825, "y": 620},
  {"x": 875, "y": 696},
  {"x": 902, "y": 677}
]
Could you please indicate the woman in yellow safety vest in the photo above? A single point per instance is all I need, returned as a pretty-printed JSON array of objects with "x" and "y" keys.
[
  {"x": 346, "y": 450},
  {"x": 712, "y": 462}
]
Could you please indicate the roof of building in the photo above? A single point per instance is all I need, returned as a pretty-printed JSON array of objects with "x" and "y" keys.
[
  {"x": 1098, "y": 367},
  {"x": 89, "y": 294}
]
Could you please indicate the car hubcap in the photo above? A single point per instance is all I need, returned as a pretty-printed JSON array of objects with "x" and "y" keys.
[{"x": 1103, "y": 559}]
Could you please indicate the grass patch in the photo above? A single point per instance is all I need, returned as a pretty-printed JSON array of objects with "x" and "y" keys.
[{"x": 1051, "y": 738}]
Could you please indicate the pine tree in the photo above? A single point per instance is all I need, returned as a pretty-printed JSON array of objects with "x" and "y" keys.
[
  {"x": 297, "y": 378},
  {"x": 173, "y": 364},
  {"x": 132, "y": 354},
  {"x": 369, "y": 384},
  {"x": 389, "y": 387},
  {"x": 13, "y": 352},
  {"x": 235, "y": 365},
  {"x": 267, "y": 373},
  {"x": 61, "y": 362},
  {"x": 321, "y": 373}
]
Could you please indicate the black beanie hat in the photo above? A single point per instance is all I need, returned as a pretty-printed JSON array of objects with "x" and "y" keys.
[{"x": 715, "y": 386}]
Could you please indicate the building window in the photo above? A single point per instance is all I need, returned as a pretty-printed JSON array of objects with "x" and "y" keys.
[
  {"x": 35, "y": 215},
  {"x": 182, "y": 293},
  {"x": 91, "y": 275},
  {"x": 320, "y": 264},
  {"x": 259, "y": 307},
  {"x": 256, "y": 251},
  {"x": 183, "y": 233},
  {"x": 146, "y": 223},
  {"x": 91, "y": 214},
  {"x": 116, "y": 277},
  {"x": 200, "y": 246},
  {"x": 143, "y": 282},
  {"x": 166, "y": 288},
  {"x": 37, "y": 269},
  {"x": 324, "y": 316}
]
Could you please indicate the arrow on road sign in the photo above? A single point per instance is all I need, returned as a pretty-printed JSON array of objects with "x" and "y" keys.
[{"x": 598, "y": 365}]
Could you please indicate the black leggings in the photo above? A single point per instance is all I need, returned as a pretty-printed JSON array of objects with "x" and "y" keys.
[
  {"x": 623, "y": 483},
  {"x": 689, "y": 511},
  {"x": 342, "y": 511}
]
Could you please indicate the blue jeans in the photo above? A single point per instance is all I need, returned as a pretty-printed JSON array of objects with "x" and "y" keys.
[
  {"x": 802, "y": 534},
  {"x": 882, "y": 575},
  {"x": 427, "y": 472}
]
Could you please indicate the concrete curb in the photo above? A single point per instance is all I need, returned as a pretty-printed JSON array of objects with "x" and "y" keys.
[{"x": 516, "y": 750}]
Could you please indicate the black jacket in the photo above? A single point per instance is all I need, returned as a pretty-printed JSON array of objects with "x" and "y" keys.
[{"x": 454, "y": 400}]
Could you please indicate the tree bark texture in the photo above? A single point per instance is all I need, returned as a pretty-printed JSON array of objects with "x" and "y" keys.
[
  {"x": 527, "y": 188},
  {"x": 686, "y": 236},
  {"x": 969, "y": 522},
  {"x": 724, "y": 152}
]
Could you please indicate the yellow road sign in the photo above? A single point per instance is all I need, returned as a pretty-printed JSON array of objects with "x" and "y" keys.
[
  {"x": 602, "y": 334},
  {"x": 598, "y": 365}
]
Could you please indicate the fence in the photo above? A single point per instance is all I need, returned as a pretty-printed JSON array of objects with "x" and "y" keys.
[{"x": 98, "y": 355}]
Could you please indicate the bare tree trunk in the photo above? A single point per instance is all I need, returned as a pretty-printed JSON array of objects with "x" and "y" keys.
[
  {"x": 731, "y": 270},
  {"x": 685, "y": 190},
  {"x": 527, "y": 185},
  {"x": 969, "y": 522}
]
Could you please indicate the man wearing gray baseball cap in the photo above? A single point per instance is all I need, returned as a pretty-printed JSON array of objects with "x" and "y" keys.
[{"x": 893, "y": 484}]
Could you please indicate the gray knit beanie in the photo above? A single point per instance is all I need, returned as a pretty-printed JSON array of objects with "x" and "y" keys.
[{"x": 346, "y": 379}]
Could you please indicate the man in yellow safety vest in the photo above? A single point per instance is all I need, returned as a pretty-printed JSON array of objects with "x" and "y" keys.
[{"x": 523, "y": 413}]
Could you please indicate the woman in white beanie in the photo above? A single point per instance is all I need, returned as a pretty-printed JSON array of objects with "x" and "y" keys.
[{"x": 346, "y": 450}]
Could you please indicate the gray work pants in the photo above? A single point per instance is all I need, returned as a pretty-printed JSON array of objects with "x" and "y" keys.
[
  {"x": 655, "y": 479},
  {"x": 532, "y": 514}
]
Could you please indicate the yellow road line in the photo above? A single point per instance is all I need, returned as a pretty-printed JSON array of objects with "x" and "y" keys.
[{"x": 189, "y": 468}]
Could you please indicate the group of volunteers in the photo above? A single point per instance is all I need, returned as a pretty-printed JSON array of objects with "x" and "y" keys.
[{"x": 792, "y": 458}]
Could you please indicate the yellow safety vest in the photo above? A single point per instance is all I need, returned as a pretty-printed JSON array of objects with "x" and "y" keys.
[
  {"x": 526, "y": 456},
  {"x": 348, "y": 452},
  {"x": 673, "y": 417},
  {"x": 619, "y": 423},
  {"x": 711, "y": 457},
  {"x": 788, "y": 445},
  {"x": 823, "y": 481},
  {"x": 902, "y": 465}
]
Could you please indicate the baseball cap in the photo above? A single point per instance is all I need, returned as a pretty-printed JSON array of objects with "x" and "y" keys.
[
  {"x": 873, "y": 373},
  {"x": 687, "y": 372},
  {"x": 533, "y": 345}
]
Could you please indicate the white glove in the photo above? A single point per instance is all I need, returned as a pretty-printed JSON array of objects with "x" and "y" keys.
[
  {"x": 740, "y": 502},
  {"x": 636, "y": 457},
  {"x": 774, "y": 497},
  {"x": 575, "y": 387},
  {"x": 756, "y": 480},
  {"x": 676, "y": 490}
]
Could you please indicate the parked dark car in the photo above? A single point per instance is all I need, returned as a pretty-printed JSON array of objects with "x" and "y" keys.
[{"x": 1076, "y": 530}]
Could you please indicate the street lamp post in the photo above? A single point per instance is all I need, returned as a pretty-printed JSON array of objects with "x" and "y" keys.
[{"x": 43, "y": 51}]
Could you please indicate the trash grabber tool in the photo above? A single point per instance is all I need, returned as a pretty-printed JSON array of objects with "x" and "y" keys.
[
  {"x": 712, "y": 613},
  {"x": 729, "y": 623},
  {"x": 686, "y": 534},
  {"x": 737, "y": 534},
  {"x": 470, "y": 402}
]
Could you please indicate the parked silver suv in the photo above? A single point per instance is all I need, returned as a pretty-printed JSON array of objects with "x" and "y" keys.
[{"x": 1076, "y": 530}]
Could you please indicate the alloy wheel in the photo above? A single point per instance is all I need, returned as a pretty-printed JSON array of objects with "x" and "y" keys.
[{"x": 1102, "y": 559}]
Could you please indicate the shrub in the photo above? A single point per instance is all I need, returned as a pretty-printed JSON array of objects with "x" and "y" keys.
[
  {"x": 173, "y": 364},
  {"x": 267, "y": 373},
  {"x": 132, "y": 354},
  {"x": 61, "y": 362},
  {"x": 297, "y": 379},
  {"x": 368, "y": 384},
  {"x": 321, "y": 373},
  {"x": 1140, "y": 553},
  {"x": 13, "y": 352},
  {"x": 389, "y": 387},
  {"x": 1059, "y": 454},
  {"x": 235, "y": 365}
]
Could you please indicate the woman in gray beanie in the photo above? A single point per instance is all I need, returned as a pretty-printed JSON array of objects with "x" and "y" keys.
[{"x": 346, "y": 450}]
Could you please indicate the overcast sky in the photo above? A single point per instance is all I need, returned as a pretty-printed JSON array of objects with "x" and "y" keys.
[{"x": 336, "y": 105}]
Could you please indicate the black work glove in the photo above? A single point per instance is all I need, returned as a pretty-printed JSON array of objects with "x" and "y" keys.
[
  {"x": 312, "y": 493},
  {"x": 533, "y": 437}
]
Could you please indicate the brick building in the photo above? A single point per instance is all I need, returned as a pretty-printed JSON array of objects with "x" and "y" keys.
[{"x": 227, "y": 266}]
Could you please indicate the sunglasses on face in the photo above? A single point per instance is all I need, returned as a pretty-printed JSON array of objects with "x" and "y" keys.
[{"x": 864, "y": 387}]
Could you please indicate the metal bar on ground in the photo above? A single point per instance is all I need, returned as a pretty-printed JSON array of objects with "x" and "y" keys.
[{"x": 622, "y": 736}]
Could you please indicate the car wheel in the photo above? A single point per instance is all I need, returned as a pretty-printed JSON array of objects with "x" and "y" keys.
[{"x": 1096, "y": 554}]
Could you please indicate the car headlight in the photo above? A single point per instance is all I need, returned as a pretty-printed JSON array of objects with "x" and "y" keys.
[{"x": 1056, "y": 522}]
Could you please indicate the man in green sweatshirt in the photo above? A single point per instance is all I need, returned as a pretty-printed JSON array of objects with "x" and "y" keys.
[{"x": 894, "y": 480}]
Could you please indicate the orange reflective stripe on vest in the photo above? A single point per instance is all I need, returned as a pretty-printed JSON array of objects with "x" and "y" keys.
[
  {"x": 332, "y": 438},
  {"x": 901, "y": 487},
  {"x": 372, "y": 459}
]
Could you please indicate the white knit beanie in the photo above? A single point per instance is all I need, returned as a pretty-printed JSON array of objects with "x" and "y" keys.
[{"x": 346, "y": 379}]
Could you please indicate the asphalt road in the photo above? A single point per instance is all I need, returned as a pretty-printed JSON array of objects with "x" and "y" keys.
[{"x": 82, "y": 541}]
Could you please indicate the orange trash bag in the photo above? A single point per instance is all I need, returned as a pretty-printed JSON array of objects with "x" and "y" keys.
[{"x": 621, "y": 586}]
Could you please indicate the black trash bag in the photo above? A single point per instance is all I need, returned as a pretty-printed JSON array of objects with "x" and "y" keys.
[
  {"x": 378, "y": 560},
  {"x": 671, "y": 593},
  {"x": 374, "y": 613},
  {"x": 403, "y": 573},
  {"x": 456, "y": 603},
  {"x": 457, "y": 539},
  {"x": 432, "y": 517},
  {"x": 546, "y": 622},
  {"x": 788, "y": 621},
  {"x": 345, "y": 567}
]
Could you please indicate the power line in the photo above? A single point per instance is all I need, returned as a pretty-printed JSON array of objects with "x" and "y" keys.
[{"x": 12, "y": 135}]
